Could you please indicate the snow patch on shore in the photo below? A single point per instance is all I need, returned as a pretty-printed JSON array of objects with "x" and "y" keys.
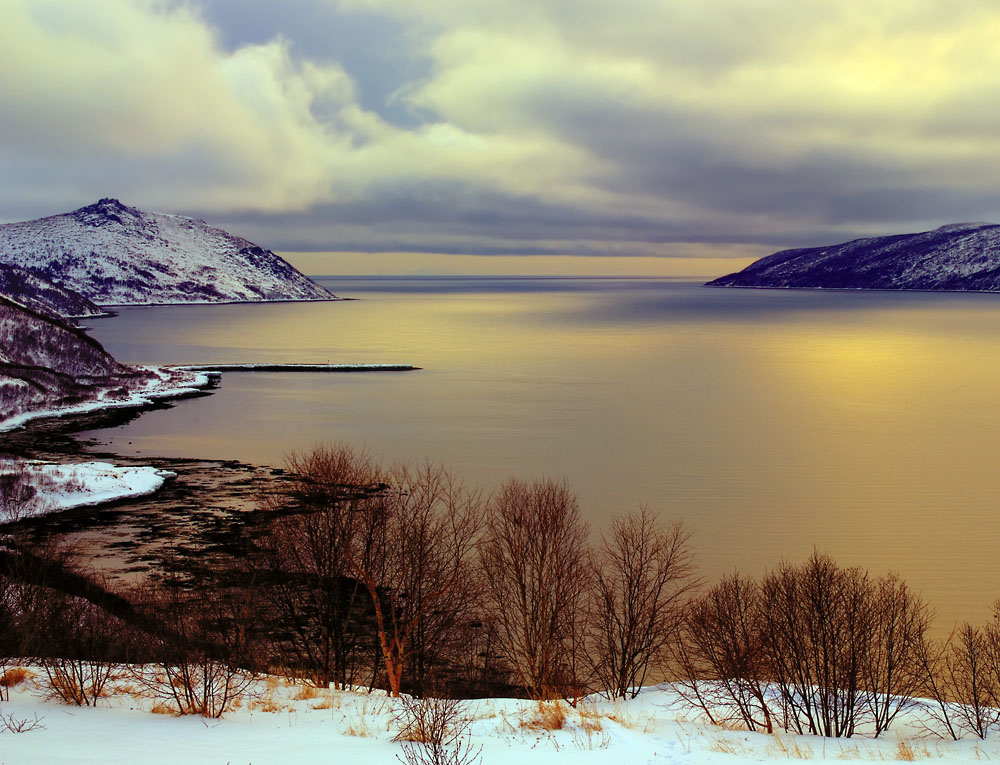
[
  {"x": 166, "y": 383},
  {"x": 38, "y": 488}
]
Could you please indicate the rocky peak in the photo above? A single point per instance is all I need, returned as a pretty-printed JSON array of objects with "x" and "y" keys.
[{"x": 106, "y": 211}]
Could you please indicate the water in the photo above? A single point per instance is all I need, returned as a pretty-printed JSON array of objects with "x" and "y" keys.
[{"x": 865, "y": 424}]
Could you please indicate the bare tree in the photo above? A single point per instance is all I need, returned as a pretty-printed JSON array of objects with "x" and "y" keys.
[
  {"x": 535, "y": 562},
  {"x": 418, "y": 570},
  {"x": 641, "y": 572},
  {"x": 329, "y": 512},
  {"x": 891, "y": 667}
]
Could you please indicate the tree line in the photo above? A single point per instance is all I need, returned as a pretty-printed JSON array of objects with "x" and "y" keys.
[{"x": 354, "y": 574}]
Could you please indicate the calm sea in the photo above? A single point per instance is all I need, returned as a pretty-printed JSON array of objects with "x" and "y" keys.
[{"x": 864, "y": 424}]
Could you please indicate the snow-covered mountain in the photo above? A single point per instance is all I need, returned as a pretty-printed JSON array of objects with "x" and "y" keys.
[
  {"x": 114, "y": 254},
  {"x": 962, "y": 256},
  {"x": 49, "y": 367}
]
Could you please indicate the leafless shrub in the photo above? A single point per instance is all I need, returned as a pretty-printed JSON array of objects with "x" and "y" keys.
[
  {"x": 641, "y": 573},
  {"x": 85, "y": 647},
  {"x": 962, "y": 677},
  {"x": 205, "y": 655},
  {"x": 817, "y": 621},
  {"x": 720, "y": 655},
  {"x": 891, "y": 669},
  {"x": 17, "y": 491},
  {"x": 366, "y": 562},
  {"x": 937, "y": 717},
  {"x": 535, "y": 563},
  {"x": 434, "y": 731},
  {"x": 11, "y": 724},
  {"x": 813, "y": 649}
]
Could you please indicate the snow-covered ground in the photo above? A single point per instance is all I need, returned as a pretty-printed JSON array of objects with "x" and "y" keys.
[
  {"x": 164, "y": 383},
  {"x": 282, "y": 722},
  {"x": 54, "y": 487}
]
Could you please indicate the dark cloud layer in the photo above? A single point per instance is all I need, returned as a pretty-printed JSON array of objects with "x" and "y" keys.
[{"x": 507, "y": 126}]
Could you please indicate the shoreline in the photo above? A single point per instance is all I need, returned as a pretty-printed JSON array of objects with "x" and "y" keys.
[
  {"x": 293, "y": 367},
  {"x": 200, "y": 384},
  {"x": 195, "y": 518}
]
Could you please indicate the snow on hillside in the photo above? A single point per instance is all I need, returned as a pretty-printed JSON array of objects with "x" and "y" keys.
[
  {"x": 281, "y": 722},
  {"x": 961, "y": 256},
  {"x": 50, "y": 368},
  {"x": 119, "y": 255},
  {"x": 45, "y": 487},
  {"x": 40, "y": 294}
]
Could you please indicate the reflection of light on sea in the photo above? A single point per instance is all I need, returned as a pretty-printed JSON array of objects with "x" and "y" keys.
[{"x": 772, "y": 421}]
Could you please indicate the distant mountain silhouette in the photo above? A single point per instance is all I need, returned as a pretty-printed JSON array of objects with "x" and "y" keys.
[{"x": 962, "y": 256}]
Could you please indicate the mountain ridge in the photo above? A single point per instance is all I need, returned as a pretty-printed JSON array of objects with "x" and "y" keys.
[{"x": 954, "y": 257}]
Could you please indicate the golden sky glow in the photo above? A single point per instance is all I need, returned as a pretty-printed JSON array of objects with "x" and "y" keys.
[{"x": 641, "y": 127}]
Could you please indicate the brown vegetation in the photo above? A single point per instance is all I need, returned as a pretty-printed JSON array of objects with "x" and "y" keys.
[
  {"x": 404, "y": 579},
  {"x": 536, "y": 573}
]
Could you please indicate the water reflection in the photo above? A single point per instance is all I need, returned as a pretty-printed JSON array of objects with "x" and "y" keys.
[{"x": 772, "y": 421}]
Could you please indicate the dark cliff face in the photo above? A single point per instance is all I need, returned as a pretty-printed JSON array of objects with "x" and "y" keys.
[{"x": 957, "y": 257}]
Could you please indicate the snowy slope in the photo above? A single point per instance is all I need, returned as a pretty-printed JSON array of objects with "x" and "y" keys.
[
  {"x": 281, "y": 723},
  {"x": 119, "y": 255},
  {"x": 48, "y": 367},
  {"x": 963, "y": 256},
  {"x": 40, "y": 294}
]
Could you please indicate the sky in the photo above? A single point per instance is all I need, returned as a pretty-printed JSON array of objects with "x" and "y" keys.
[{"x": 653, "y": 129}]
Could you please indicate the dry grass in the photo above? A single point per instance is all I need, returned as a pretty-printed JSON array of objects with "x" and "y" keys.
[
  {"x": 307, "y": 692},
  {"x": 14, "y": 677},
  {"x": 645, "y": 724},
  {"x": 66, "y": 687},
  {"x": 904, "y": 751},
  {"x": 160, "y": 708},
  {"x": 265, "y": 704},
  {"x": 793, "y": 750},
  {"x": 358, "y": 728},
  {"x": 549, "y": 715},
  {"x": 908, "y": 751},
  {"x": 590, "y": 719},
  {"x": 725, "y": 746}
]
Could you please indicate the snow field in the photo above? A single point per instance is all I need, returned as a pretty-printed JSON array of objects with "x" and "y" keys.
[{"x": 282, "y": 721}]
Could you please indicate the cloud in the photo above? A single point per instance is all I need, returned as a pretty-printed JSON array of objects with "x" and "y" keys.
[
  {"x": 700, "y": 105},
  {"x": 480, "y": 125}
]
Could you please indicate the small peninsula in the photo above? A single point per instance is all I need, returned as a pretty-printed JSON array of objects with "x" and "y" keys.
[
  {"x": 957, "y": 257},
  {"x": 49, "y": 367}
]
